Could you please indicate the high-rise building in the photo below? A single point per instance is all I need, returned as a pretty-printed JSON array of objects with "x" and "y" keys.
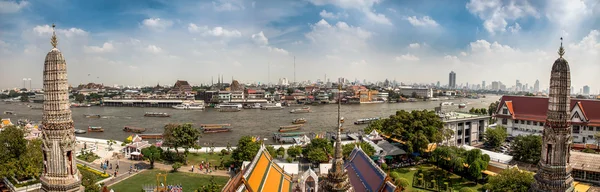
[
  {"x": 452, "y": 80},
  {"x": 483, "y": 85},
  {"x": 438, "y": 84},
  {"x": 495, "y": 85},
  {"x": 536, "y": 86},
  {"x": 60, "y": 172},
  {"x": 586, "y": 90},
  {"x": 554, "y": 170}
]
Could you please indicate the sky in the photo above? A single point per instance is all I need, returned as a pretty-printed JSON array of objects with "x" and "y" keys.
[{"x": 160, "y": 41}]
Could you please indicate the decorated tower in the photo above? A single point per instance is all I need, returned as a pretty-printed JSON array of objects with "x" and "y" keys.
[
  {"x": 60, "y": 171},
  {"x": 337, "y": 178},
  {"x": 554, "y": 171}
]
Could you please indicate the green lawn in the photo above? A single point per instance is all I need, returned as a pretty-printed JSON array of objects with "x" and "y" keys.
[
  {"x": 457, "y": 182},
  {"x": 214, "y": 159},
  {"x": 189, "y": 181},
  {"x": 96, "y": 177}
]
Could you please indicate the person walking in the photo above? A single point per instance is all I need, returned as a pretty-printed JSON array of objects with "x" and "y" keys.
[{"x": 192, "y": 168}]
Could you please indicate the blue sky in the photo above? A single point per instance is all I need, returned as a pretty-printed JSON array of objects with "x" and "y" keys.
[{"x": 135, "y": 42}]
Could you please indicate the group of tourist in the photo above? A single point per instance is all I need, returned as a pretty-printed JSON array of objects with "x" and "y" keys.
[{"x": 204, "y": 167}]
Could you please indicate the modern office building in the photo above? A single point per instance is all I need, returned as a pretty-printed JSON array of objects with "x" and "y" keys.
[{"x": 452, "y": 80}]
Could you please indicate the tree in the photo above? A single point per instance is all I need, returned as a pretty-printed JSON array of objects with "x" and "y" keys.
[
  {"x": 246, "y": 150},
  {"x": 180, "y": 135},
  {"x": 366, "y": 147},
  {"x": 495, "y": 137},
  {"x": 88, "y": 181},
  {"x": 152, "y": 154},
  {"x": 281, "y": 152},
  {"x": 294, "y": 151},
  {"x": 110, "y": 143},
  {"x": 527, "y": 148},
  {"x": 24, "y": 97},
  {"x": 30, "y": 163},
  {"x": 317, "y": 156},
  {"x": 466, "y": 189},
  {"x": 529, "y": 94},
  {"x": 13, "y": 147},
  {"x": 176, "y": 166},
  {"x": 271, "y": 150},
  {"x": 402, "y": 183},
  {"x": 492, "y": 108},
  {"x": 211, "y": 187},
  {"x": 511, "y": 179},
  {"x": 317, "y": 150},
  {"x": 79, "y": 98}
]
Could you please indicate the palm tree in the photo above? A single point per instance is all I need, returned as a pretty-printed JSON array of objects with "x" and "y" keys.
[{"x": 110, "y": 143}]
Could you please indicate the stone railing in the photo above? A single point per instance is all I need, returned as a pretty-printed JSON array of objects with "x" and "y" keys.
[{"x": 12, "y": 188}]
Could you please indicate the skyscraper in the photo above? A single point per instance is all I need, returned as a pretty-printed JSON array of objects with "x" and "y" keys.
[
  {"x": 452, "y": 80},
  {"x": 586, "y": 90},
  {"x": 483, "y": 85},
  {"x": 554, "y": 170},
  {"x": 536, "y": 86},
  {"x": 58, "y": 133}
]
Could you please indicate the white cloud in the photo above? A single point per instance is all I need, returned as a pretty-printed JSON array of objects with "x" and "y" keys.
[
  {"x": 485, "y": 46},
  {"x": 9, "y": 6},
  {"x": 452, "y": 58},
  {"x": 589, "y": 44},
  {"x": 425, "y": 21},
  {"x": 260, "y": 38},
  {"x": 414, "y": 45},
  {"x": 330, "y": 15},
  {"x": 229, "y": 5},
  {"x": 496, "y": 14},
  {"x": 515, "y": 28},
  {"x": 157, "y": 24},
  {"x": 463, "y": 53},
  {"x": 568, "y": 14},
  {"x": 216, "y": 31},
  {"x": 361, "y": 62},
  {"x": 337, "y": 38},
  {"x": 153, "y": 49},
  {"x": 407, "y": 57},
  {"x": 278, "y": 50},
  {"x": 45, "y": 30},
  {"x": 106, "y": 47},
  {"x": 365, "y": 6}
]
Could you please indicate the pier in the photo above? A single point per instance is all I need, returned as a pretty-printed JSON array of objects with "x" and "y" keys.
[{"x": 141, "y": 103}]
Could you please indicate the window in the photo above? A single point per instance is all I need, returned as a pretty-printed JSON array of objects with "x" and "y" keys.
[
  {"x": 522, "y": 122},
  {"x": 504, "y": 121},
  {"x": 504, "y": 111},
  {"x": 590, "y": 136},
  {"x": 528, "y": 122},
  {"x": 576, "y": 129},
  {"x": 516, "y": 121},
  {"x": 583, "y": 128},
  {"x": 548, "y": 152},
  {"x": 535, "y": 123},
  {"x": 597, "y": 128}
]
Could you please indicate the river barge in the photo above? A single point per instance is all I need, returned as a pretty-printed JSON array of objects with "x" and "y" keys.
[
  {"x": 156, "y": 114},
  {"x": 299, "y": 121},
  {"x": 289, "y": 128},
  {"x": 151, "y": 136},
  {"x": 215, "y": 130},
  {"x": 92, "y": 116},
  {"x": 301, "y": 110},
  {"x": 95, "y": 129},
  {"x": 134, "y": 129}
]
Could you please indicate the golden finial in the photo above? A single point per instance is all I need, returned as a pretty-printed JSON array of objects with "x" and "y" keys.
[
  {"x": 53, "y": 40},
  {"x": 561, "y": 50}
]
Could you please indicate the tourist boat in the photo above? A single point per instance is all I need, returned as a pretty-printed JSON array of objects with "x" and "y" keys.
[
  {"x": 301, "y": 110},
  {"x": 230, "y": 107},
  {"x": 216, "y": 130},
  {"x": 214, "y": 125},
  {"x": 156, "y": 114},
  {"x": 272, "y": 106},
  {"x": 255, "y": 106},
  {"x": 366, "y": 121},
  {"x": 9, "y": 113},
  {"x": 80, "y": 105},
  {"x": 299, "y": 121},
  {"x": 462, "y": 106},
  {"x": 92, "y": 116},
  {"x": 95, "y": 129},
  {"x": 134, "y": 129},
  {"x": 80, "y": 131},
  {"x": 186, "y": 106},
  {"x": 289, "y": 128}
]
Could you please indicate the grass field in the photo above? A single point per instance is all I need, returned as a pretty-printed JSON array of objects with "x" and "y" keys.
[
  {"x": 189, "y": 181},
  {"x": 457, "y": 182},
  {"x": 214, "y": 159}
]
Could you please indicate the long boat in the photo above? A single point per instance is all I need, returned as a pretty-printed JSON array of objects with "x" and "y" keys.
[
  {"x": 289, "y": 128},
  {"x": 95, "y": 129},
  {"x": 80, "y": 131},
  {"x": 92, "y": 116},
  {"x": 301, "y": 110},
  {"x": 299, "y": 121},
  {"x": 215, "y": 125},
  {"x": 230, "y": 107},
  {"x": 156, "y": 114},
  {"x": 366, "y": 121},
  {"x": 290, "y": 134},
  {"x": 134, "y": 129},
  {"x": 216, "y": 130},
  {"x": 151, "y": 136}
]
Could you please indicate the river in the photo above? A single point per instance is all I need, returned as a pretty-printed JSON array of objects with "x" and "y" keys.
[{"x": 253, "y": 122}]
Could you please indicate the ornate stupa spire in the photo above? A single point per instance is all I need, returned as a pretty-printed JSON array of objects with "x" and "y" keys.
[
  {"x": 60, "y": 172},
  {"x": 554, "y": 170},
  {"x": 53, "y": 40},
  {"x": 337, "y": 178}
]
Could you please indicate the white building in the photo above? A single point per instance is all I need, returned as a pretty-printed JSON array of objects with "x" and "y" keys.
[
  {"x": 421, "y": 92},
  {"x": 468, "y": 128}
]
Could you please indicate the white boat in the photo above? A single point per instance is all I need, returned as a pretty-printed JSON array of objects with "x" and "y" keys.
[
  {"x": 255, "y": 106},
  {"x": 301, "y": 110},
  {"x": 366, "y": 121},
  {"x": 272, "y": 106},
  {"x": 186, "y": 106},
  {"x": 230, "y": 107}
]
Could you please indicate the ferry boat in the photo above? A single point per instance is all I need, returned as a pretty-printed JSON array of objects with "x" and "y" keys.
[
  {"x": 255, "y": 106},
  {"x": 156, "y": 114},
  {"x": 80, "y": 131},
  {"x": 230, "y": 107},
  {"x": 95, "y": 129},
  {"x": 215, "y": 130},
  {"x": 366, "y": 121},
  {"x": 134, "y": 129},
  {"x": 92, "y": 116},
  {"x": 301, "y": 110},
  {"x": 299, "y": 121},
  {"x": 186, "y": 106},
  {"x": 272, "y": 106},
  {"x": 214, "y": 125},
  {"x": 289, "y": 128}
]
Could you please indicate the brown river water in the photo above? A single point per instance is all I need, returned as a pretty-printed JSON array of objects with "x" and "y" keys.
[{"x": 253, "y": 122}]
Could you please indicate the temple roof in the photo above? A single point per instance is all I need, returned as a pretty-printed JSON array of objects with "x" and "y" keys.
[
  {"x": 535, "y": 108},
  {"x": 365, "y": 175},
  {"x": 261, "y": 175}
]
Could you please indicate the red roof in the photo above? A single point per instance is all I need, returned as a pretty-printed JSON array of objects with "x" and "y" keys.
[
  {"x": 535, "y": 108},
  {"x": 251, "y": 91}
]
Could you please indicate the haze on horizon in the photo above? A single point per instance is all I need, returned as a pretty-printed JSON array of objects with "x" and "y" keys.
[{"x": 159, "y": 41}]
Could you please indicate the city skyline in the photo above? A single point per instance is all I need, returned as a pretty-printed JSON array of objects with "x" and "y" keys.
[{"x": 155, "y": 41}]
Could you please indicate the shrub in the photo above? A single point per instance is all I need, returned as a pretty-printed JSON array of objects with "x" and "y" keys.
[
  {"x": 224, "y": 152},
  {"x": 176, "y": 166},
  {"x": 384, "y": 166},
  {"x": 466, "y": 189},
  {"x": 172, "y": 157},
  {"x": 289, "y": 159},
  {"x": 394, "y": 175}
]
